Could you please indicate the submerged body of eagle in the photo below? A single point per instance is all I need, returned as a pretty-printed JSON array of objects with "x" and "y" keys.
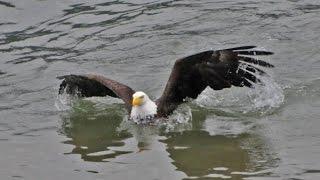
[{"x": 217, "y": 69}]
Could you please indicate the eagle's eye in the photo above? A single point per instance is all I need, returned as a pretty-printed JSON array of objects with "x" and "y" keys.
[{"x": 141, "y": 97}]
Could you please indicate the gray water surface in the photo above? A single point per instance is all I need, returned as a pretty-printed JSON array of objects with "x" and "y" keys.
[{"x": 269, "y": 132}]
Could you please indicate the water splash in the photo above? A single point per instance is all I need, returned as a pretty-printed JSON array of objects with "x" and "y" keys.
[
  {"x": 262, "y": 99},
  {"x": 64, "y": 101},
  {"x": 179, "y": 121},
  {"x": 266, "y": 97}
]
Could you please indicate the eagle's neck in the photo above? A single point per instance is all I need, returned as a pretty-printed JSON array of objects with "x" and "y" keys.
[{"x": 146, "y": 111}]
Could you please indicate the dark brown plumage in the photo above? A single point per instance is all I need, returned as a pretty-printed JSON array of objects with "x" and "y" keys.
[
  {"x": 95, "y": 85},
  {"x": 189, "y": 77}
]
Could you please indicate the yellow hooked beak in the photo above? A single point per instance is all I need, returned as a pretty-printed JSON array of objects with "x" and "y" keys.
[{"x": 136, "y": 101}]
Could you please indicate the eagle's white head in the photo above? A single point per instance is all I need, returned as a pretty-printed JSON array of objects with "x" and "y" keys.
[{"x": 142, "y": 107}]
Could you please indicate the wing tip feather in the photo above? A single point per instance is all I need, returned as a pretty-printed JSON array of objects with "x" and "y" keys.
[{"x": 240, "y": 48}]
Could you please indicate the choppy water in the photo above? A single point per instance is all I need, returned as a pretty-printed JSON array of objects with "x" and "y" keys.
[{"x": 267, "y": 133}]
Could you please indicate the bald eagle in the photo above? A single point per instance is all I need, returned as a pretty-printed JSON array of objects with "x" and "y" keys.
[{"x": 190, "y": 75}]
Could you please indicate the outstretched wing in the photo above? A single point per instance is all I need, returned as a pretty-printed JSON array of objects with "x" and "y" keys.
[
  {"x": 95, "y": 85},
  {"x": 216, "y": 69}
]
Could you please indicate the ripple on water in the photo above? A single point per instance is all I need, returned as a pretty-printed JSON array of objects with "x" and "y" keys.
[{"x": 217, "y": 125}]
